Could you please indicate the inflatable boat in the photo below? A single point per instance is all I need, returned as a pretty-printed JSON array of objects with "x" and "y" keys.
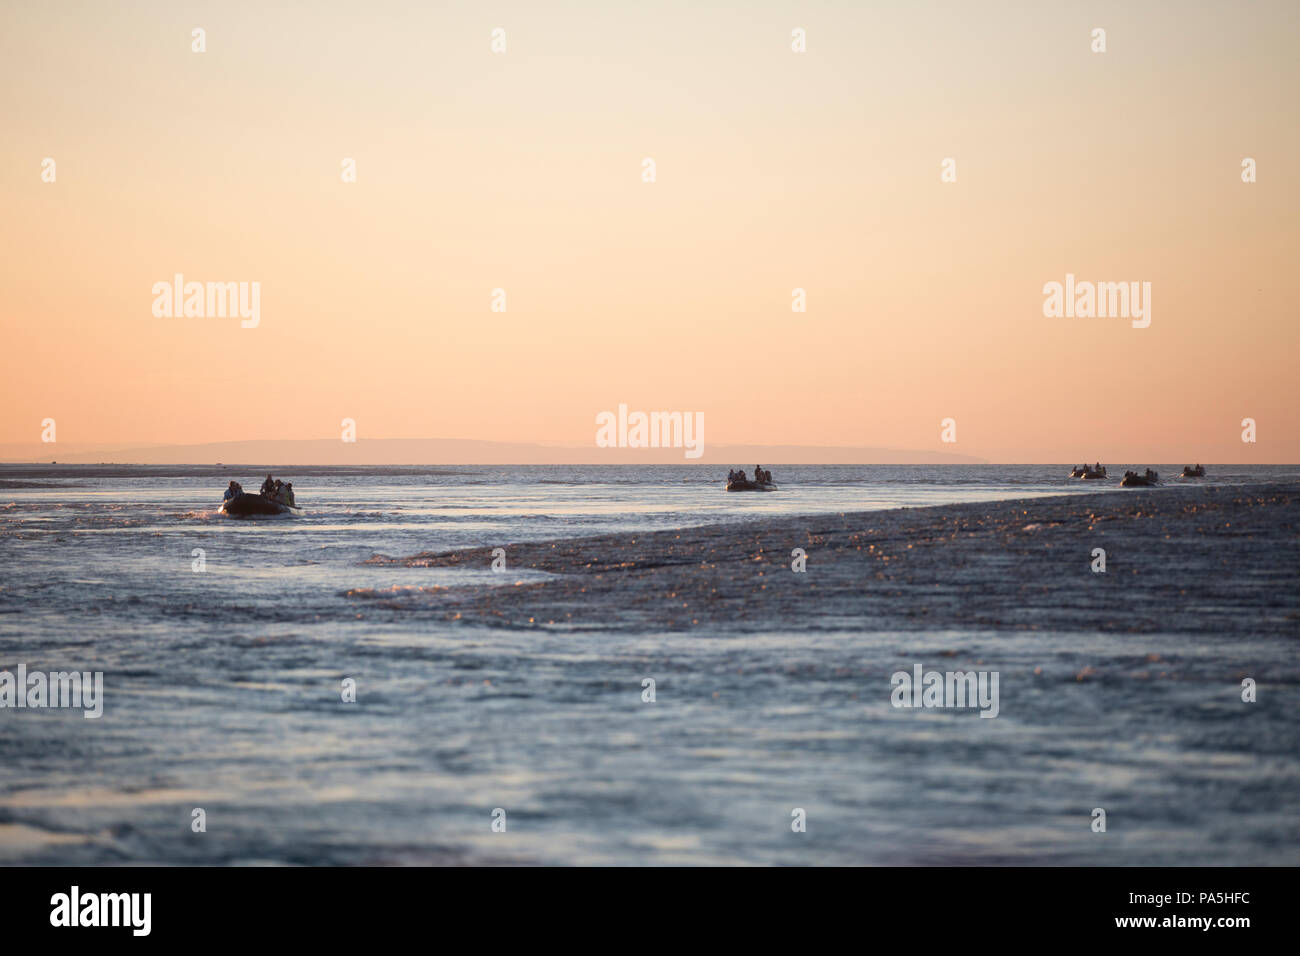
[
  {"x": 244, "y": 505},
  {"x": 1134, "y": 480},
  {"x": 751, "y": 486}
]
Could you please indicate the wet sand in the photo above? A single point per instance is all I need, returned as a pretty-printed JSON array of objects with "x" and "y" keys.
[{"x": 1181, "y": 558}]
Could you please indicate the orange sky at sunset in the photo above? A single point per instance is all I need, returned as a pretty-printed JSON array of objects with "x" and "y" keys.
[{"x": 776, "y": 170}]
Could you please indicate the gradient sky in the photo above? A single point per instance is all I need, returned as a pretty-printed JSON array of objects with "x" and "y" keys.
[{"x": 775, "y": 170}]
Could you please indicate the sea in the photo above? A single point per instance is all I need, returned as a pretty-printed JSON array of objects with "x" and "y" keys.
[{"x": 226, "y": 647}]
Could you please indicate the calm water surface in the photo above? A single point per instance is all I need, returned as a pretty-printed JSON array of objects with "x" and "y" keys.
[{"x": 222, "y": 692}]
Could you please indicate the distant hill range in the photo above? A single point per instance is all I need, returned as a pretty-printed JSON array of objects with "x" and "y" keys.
[{"x": 461, "y": 451}]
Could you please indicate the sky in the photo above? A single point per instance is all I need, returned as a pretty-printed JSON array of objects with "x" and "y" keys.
[{"x": 775, "y": 170}]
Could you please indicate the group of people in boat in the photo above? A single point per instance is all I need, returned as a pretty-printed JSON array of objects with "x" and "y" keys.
[
  {"x": 1083, "y": 471},
  {"x": 1148, "y": 477},
  {"x": 761, "y": 477},
  {"x": 273, "y": 489}
]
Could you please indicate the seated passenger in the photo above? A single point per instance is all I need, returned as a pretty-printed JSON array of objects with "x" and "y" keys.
[
  {"x": 286, "y": 495},
  {"x": 268, "y": 486},
  {"x": 233, "y": 491}
]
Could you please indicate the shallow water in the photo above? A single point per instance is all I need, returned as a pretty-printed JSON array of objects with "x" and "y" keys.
[{"x": 222, "y": 692}]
